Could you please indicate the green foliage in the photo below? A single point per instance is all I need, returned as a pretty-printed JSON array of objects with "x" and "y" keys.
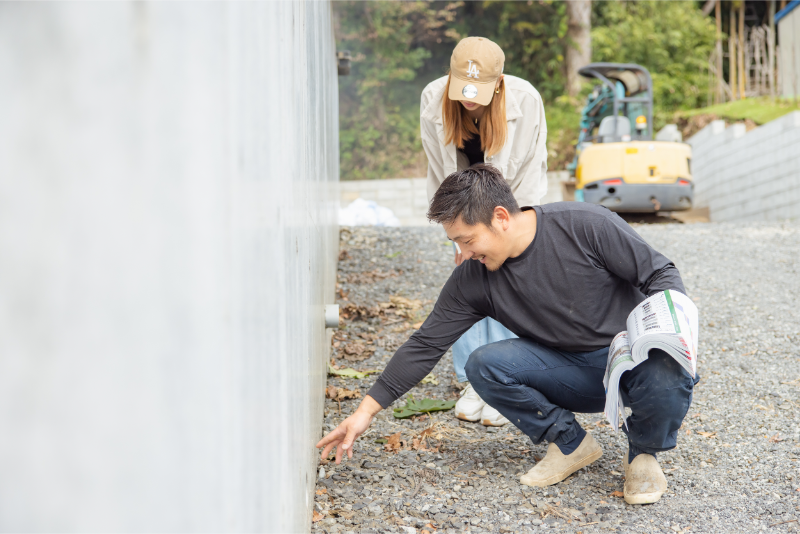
[
  {"x": 531, "y": 34},
  {"x": 672, "y": 40},
  {"x": 414, "y": 407},
  {"x": 379, "y": 101},
  {"x": 759, "y": 110},
  {"x": 400, "y": 47},
  {"x": 563, "y": 125}
]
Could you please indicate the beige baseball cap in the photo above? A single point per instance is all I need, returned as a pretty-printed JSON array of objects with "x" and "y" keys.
[{"x": 475, "y": 65}]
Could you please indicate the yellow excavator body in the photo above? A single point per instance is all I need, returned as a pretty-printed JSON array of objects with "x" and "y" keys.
[{"x": 636, "y": 176}]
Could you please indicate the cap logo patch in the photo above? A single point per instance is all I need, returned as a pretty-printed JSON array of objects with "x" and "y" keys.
[
  {"x": 472, "y": 70},
  {"x": 469, "y": 91}
]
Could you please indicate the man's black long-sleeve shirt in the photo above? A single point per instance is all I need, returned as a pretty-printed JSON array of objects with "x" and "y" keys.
[{"x": 572, "y": 289}]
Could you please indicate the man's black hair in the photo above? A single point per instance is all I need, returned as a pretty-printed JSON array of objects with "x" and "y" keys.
[{"x": 473, "y": 194}]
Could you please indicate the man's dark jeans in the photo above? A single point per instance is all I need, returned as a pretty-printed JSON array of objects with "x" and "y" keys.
[{"x": 538, "y": 388}]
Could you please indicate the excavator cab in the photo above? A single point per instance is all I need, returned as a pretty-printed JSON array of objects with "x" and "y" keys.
[{"x": 618, "y": 164}]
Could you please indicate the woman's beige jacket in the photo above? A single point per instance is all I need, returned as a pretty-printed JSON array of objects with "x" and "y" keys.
[{"x": 522, "y": 160}]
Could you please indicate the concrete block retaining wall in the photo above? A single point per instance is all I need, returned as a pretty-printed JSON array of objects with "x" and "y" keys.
[
  {"x": 408, "y": 197},
  {"x": 752, "y": 175}
]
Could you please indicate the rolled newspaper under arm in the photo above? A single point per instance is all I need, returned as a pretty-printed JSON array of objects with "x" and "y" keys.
[{"x": 668, "y": 321}]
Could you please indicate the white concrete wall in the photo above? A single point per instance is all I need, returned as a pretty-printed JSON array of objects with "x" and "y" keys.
[
  {"x": 408, "y": 197},
  {"x": 789, "y": 54},
  {"x": 168, "y": 177},
  {"x": 746, "y": 176}
]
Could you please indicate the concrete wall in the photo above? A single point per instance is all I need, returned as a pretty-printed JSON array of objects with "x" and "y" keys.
[
  {"x": 789, "y": 53},
  {"x": 745, "y": 176},
  {"x": 408, "y": 197},
  {"x": 168, "y": 177}
]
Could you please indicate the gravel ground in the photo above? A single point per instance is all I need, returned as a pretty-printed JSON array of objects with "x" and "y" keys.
[{"x": 736, "y": 465}]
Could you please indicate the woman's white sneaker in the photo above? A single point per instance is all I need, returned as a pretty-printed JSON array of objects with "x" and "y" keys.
[
  {"x": 470, "y": 406},
  {"x": 491, "y": 417}
]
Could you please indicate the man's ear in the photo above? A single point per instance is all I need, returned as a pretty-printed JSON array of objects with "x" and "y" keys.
[{"x": 502, "y": 217}]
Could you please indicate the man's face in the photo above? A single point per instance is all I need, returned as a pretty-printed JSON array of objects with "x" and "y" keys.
[{"x": 479, "y": 242}]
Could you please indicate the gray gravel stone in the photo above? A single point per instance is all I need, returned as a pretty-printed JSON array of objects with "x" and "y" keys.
[{"x": 739, "y": 476}]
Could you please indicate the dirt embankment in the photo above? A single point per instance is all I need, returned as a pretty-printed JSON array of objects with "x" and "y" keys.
[{"x": 689, "y": 126}]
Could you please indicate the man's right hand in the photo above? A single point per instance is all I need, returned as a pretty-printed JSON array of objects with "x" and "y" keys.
[{"x": 343, "y": 436}]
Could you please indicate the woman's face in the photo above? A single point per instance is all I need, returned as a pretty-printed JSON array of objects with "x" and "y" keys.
[{"x": 470, "y": 105}]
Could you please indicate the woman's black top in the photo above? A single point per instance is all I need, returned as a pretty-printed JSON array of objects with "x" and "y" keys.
[{"x": 472, "y": 149}]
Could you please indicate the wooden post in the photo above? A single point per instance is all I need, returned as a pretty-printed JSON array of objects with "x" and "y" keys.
[
  {"x": 718, "y": 16},
  {"x": 771, "y": 49},
  {"x": 732, "y": 54},
  {"x": 742, "y": 72}
]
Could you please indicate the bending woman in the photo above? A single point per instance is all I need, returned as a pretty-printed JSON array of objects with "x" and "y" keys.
[{"x": 476, "y": 114}]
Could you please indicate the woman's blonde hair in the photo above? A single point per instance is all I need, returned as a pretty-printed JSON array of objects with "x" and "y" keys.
[{"x": 458, "y": 127}]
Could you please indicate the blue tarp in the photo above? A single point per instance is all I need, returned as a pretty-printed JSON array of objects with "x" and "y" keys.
[{"x": 786, "y": 10}]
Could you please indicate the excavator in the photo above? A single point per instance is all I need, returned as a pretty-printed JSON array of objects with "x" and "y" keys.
[{"x": 618, "y": 164}]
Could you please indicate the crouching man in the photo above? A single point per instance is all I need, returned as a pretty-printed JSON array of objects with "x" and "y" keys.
[{"x": 563, "y": 277}]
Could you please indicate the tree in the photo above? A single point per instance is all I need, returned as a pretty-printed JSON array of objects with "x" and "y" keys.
[
  {"x": 579, "y": 42},
  {"x": 533, "y": 36},
  {"x": 673, "y": 40},
  {"x": 379, "y": 101}
]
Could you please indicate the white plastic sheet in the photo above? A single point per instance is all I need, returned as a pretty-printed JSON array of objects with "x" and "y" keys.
[{"x": 362, "y": 212}]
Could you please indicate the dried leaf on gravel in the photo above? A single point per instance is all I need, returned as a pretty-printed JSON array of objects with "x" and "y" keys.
[
  {"x": 394, "y": 443},
  {"x": 355, "y": 348},
  {"x": 347, "y": 372},
  {"x": 554, "y": 510},
  {"x": 322, "y": 491},
  {"x": 370, "y": 277},
  {"x": 340, "y": 394},
  {"x": 352, "y": 312},
  {"x": 707, "y": 434},
  {"x": 617, "y": 494},
  {"x": 317, "y": 517},
  {"x": 430, "y": 379},
  {"x": 439, "y": 431},
  {"x": 344, "y": 514},
  {"x": 402, "y": 306},
  {"x": 357, "y": 351},
  {"x": 345, "y": 394}
]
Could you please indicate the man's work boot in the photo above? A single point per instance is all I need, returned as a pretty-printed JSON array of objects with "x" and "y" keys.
[
  {"x": 645, "y": 482},
  {"x": 555, "y": 467}
]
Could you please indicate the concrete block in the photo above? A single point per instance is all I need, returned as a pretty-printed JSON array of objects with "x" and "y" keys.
[
  {"x": 400, "y": 184},
  {"x": 385, "y": 194},
  {"x": 420, "y": 207},
  {"x": 791, "y": 121},
  {"x": 735, "y": 131},
  {"x": 704, "y": 135},
  {"x": 401, "y": 212}
]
